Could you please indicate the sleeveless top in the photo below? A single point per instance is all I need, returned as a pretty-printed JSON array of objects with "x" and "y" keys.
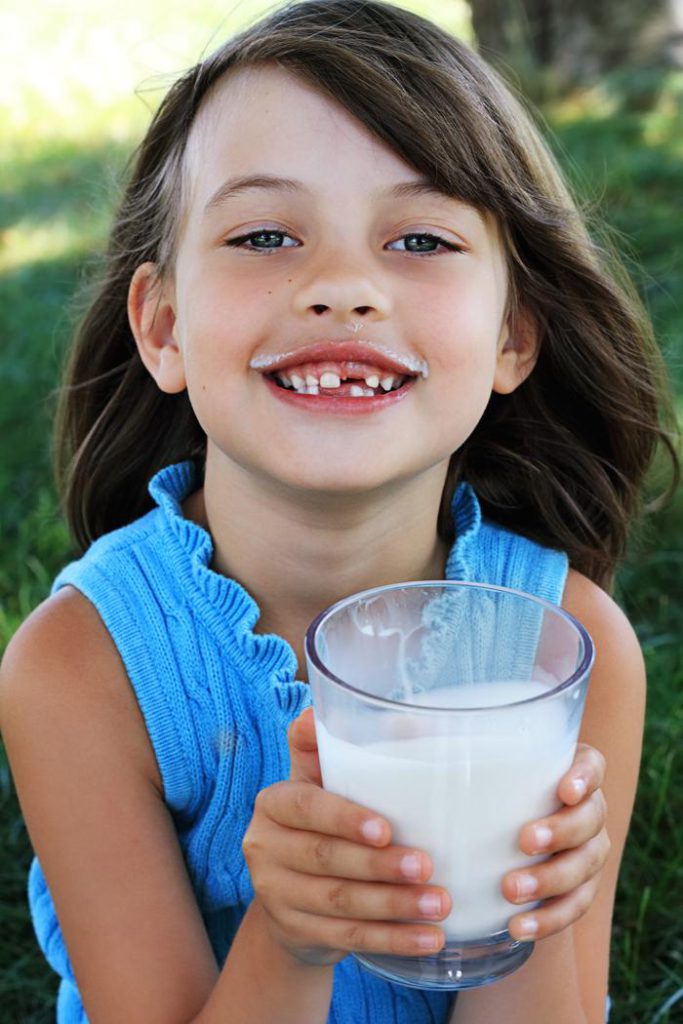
[{"x": 217, "y": 699}]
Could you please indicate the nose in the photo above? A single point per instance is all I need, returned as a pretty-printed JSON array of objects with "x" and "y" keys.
[{"x": 338, "y": 287}]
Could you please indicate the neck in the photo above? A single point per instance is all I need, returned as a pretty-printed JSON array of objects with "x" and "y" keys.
[{"x": 297, "y": 552}]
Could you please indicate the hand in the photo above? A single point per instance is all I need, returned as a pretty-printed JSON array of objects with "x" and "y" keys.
[
  {"x": 577, "y": 839},
  {"x": 326, "y": 874}
]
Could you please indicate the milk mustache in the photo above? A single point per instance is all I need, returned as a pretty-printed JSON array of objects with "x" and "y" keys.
[{"x": 461, "y": 787}]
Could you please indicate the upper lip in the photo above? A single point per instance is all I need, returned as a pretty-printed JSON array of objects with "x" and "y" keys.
[{"x": 330, "y": 350}]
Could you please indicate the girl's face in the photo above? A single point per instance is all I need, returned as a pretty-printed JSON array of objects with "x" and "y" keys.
[{"x": 338, "y": 323}]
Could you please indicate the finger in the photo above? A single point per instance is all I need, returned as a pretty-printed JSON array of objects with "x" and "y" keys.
[
  {"x": 301, "y": 732},
  {"x": 555, "y": 915},
  {"x": 560, "y": 875},
  {"x": 303, "y": 749},
  {"x": 586, "y": 774},
  {"x": 366, "y": 901},
  {"x": 358, "y": 936},
  {"x": 316, "y": 854},
  {"x": 567, "y": 828},
  {"x": 302, "y": 805}
]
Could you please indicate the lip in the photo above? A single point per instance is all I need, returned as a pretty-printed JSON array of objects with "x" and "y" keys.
[
  {"x": 342, "y": 350},
  {"x": 340, "y": 406}
]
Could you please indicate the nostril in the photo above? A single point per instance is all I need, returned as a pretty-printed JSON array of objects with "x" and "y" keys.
[
  {"x": 362, "y": 310},
  {"x": 319, "y": 309}
]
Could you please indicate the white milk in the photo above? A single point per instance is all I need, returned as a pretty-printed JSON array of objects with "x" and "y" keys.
[{"x": 462, "y": 796}]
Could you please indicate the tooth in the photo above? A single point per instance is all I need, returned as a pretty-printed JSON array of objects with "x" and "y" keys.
[
  {"x": 297, "y": 381},
  {"x": 329, "y": 380},
  {"x": 372, "y": 381},
  {"x": 312, "y": 389},
  {"x": 284, "y": 380},
  {"x": 386, "y": 382},
  {"x": 356, "y": 391},
  {"x": 311, "y": 381},
  {"x": 368, "y": 393}
]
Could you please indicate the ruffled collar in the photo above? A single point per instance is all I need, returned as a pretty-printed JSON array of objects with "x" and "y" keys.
[{"x": 229, "y": 610}]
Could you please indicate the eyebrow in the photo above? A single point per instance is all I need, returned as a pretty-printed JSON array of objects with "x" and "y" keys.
[{"x": 269, "y": 182}]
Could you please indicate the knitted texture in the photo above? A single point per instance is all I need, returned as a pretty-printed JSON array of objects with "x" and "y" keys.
[{"x": 217, "y": 700}]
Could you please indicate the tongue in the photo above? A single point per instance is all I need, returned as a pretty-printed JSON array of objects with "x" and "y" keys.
[{"x": 345, "y": 388}]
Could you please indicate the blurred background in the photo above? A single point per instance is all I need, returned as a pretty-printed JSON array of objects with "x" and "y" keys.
[{"x": 78, "y": 81}]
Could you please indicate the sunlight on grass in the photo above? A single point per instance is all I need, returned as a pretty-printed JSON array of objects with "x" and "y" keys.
[
  {"x": 57, "y": 239},
  {"x": 657, "y": 125},
  {"x": 74, "y": 68},
  {"x": 604, "y": 100},
  {"x": 71, "y": 67}
]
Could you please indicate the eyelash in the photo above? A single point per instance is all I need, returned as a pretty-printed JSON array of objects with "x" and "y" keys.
[{"x": 240, "y": 242}]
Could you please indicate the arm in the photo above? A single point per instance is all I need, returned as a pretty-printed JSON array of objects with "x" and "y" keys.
[
  {"x": 566, "y": 978},
  {"x": 93, "y": 803},
  {"x": 92, "y": 799}
]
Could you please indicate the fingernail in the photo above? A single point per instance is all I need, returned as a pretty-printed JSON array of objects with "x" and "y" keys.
[
  {"x": 430, "y": 905},
  {"x": 528, "y": 926},
  {"x": 372, "y": 830},
  {"x": 526, "y": 885},
  {"x": 579, "y": 786},
  {"x": 427, "y": 941},
  {"x": 542, "y": 837},
  {"x": 411, "y": 866}
]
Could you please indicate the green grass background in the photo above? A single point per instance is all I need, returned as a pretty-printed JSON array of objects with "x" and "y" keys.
[{"x": 77, "y": 82}]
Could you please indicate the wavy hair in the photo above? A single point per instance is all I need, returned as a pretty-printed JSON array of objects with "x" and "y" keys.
[{"x": 562, "y": 459}]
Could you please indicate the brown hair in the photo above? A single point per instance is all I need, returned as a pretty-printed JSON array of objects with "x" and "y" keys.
[{"x": 562, "y": 458}]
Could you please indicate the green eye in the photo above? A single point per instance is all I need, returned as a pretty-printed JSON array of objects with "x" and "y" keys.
[
  {"x": 267, "y": 239},
  {"x": 421, "y": 243},
  {"x": 262, "y": 241}
]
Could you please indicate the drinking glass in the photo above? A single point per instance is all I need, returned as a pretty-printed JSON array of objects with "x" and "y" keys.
[{"x": 453, "y": 710}]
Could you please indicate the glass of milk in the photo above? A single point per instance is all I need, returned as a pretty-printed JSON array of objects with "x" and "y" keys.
[{"x": 453, "y": 710}]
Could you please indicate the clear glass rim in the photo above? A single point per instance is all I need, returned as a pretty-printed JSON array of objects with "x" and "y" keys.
[{"x": 579, "y": 673}]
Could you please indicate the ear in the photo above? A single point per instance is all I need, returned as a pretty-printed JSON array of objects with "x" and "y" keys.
[
  {"x": 517, "y": 351},
  {"x": 151, "y": 313}
]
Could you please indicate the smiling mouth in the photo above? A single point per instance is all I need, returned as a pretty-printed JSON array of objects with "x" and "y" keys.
[{"x": 339, "y": 379}]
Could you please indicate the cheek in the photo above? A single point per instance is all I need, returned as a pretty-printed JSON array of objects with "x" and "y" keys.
[
  {"x": 462, "y": 369},
  {"x": 217, "y": 300},
  {"x": 217, "y": 333},
  {"x": 465, "y": 343},
  {"x": 465, "y": 321}
]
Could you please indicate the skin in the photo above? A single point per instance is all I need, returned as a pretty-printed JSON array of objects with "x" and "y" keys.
[{"x": 359, "y": 497}]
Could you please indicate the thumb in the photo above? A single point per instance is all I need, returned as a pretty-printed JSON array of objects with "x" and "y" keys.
[{"x": 303, "y": 749}]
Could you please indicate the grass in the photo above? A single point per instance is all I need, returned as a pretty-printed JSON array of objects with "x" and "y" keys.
[
  {"x": 65, "y": 148},
  {"x": 631, "y": 163}
]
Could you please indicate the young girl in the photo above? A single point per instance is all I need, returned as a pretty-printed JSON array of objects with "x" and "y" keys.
[{"x": 352, "y": 332}]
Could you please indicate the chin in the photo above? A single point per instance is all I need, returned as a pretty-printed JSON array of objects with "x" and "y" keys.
[{"x": 327, "y": 486}]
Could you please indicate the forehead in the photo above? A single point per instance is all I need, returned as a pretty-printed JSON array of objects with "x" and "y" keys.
[
  {"x": 267, "y": 120},
  {"x": 262, "y": 121}
]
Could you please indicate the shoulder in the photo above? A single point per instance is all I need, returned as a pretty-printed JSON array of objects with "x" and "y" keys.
[
  {"x": 616, "y": 643},
  {"x": 618, "y": 676},
  {"x": 64, "y": 632},
  {"x": 120, "y": 914},
  {"x": 583, "y": 596},
  {"x": 63, "y": 668},
  {"x": 614, "y": 714}
]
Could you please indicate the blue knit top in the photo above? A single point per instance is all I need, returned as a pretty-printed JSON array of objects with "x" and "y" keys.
[{"x": 217, "y": 699}]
